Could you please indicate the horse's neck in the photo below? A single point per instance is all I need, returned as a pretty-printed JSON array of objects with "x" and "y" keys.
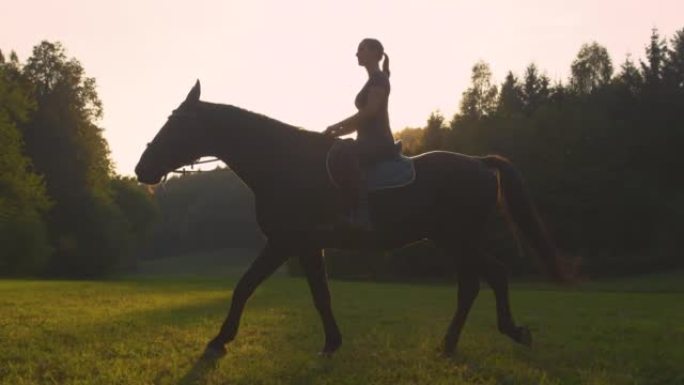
[{"x": 257, "y": 148}]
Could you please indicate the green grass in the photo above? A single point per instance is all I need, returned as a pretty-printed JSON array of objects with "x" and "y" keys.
[{"x": 151, "y": 331}]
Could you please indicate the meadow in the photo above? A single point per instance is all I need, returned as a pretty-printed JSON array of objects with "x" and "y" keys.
[{"x": 152, "y": 329}]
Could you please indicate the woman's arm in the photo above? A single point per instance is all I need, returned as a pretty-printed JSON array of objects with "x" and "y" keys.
[{"x": 376, "y": 96}]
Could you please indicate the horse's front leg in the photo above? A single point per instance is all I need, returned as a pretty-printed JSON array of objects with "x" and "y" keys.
[
  {"x": 314, "y": 268},
  {"x": 266, "y": 263}
]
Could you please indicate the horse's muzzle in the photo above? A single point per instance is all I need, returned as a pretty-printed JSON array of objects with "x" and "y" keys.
[{"x": 146, "y": 176}]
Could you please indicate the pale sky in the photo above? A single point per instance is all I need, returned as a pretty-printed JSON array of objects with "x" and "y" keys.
[{"x": 295, "y": 60}]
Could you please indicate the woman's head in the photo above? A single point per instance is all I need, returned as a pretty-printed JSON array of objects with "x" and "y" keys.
[{"x": 370, "y": 52}]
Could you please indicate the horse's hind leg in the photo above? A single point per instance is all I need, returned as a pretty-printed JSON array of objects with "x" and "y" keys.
[
  {"x": 468, "y": 288},
  {"x": 314, "y": 268},
  {"x": 266, "y": 263},
  {"x": 496, "y": 275}
]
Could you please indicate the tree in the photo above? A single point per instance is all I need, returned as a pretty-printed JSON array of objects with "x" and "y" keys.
[
  {"x": 592, "y": 69},
  {"x": 23, "y": 199},
  {"x": 511, "y": 96},
  {"x": 656, "y": 53},
  {"x": 630, "y": 78},
  {"x": 66, "y": 146},
  {"x": 535, "y": 89},
  {"x": 411, "y": 140},
  {"x": 673, "y": 70},
  {"x": 432, "y": 139},
  {"x": 141, "y": 212},
  {"x": 480, "y": 99},
  {"x": 62, "y": 138}
]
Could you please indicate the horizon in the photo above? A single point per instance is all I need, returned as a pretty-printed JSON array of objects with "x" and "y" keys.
[{"x": 300, "y": 67}]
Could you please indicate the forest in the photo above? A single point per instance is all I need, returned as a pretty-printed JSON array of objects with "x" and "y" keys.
[{"x": 600, "y": 153}]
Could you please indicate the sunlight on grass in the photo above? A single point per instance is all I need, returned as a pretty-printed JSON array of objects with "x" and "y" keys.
[{"x": 153, "y": 332}]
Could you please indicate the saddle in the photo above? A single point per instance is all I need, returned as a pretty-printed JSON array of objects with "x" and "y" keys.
[{"x": 345, "y": 171}]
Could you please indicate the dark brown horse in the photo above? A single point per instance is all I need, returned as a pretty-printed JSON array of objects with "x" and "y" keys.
[{"x": 451, "y": 200}]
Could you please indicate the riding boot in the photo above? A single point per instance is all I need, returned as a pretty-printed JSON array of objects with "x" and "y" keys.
[{"x": 360, "y": 215}]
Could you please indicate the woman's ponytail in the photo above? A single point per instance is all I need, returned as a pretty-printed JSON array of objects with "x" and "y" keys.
[{"x": 385, "y": 65}]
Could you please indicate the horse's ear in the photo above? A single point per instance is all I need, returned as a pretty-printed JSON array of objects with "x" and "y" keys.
[{"x": 194, "y": 94}]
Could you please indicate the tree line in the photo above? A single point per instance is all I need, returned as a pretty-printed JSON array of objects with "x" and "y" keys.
[
  {"x": 63, "y": 210},
  {"x": 202, "y": 212},
  {"x": 601, "y": 152}
]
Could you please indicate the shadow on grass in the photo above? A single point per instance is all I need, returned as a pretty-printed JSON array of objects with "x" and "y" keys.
[{"x": 199, "y": 372}]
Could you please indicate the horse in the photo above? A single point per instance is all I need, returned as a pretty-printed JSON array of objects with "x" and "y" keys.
[{"x": 450, "y": 202}]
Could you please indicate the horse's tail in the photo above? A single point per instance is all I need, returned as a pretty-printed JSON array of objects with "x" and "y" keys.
[{"x": 521, "y": 214}]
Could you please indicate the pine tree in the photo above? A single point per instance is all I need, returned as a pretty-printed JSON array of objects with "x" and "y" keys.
[
  {"x": 535, "y": 89},
  {"x": 511, "y": 96},
  {"x": 656, "y": 52},
  {"x": 630, "y": 78},
  {"x": 673, "y": 70}
]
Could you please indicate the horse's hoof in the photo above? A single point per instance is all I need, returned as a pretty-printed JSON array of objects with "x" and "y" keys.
[
  {"x": 331, "y": 345},
  {"x": 214, "y": 352},
  {"x": 448, "y": 347},
  {"x": 524, "y": 336},
  {"x": 329, "y": 349}
]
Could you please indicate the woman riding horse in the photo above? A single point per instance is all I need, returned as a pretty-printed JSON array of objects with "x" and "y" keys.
[
  {"x": 450, "y": 202},
  {"x": 374, "y": 140}
]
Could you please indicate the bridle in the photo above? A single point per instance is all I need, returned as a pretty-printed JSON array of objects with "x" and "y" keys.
[
  {"x": 177, "y": 113},
  {"x": 184, "y": 171}
]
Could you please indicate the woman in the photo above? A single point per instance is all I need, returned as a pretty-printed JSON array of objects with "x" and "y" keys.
[{"x": 374, "y": 140}]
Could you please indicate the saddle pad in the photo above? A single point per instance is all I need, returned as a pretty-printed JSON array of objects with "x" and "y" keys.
[{"x": 395, "y": 172}]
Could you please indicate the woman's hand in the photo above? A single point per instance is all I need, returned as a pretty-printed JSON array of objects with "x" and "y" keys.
[
  {"x": 344, "y": 127},
  {"x": 333, "y": 130}
]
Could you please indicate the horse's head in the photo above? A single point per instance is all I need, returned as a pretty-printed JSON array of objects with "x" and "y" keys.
[{"x": 179, "y": 142}]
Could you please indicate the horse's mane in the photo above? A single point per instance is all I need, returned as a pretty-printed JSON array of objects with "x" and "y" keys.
[
  {"x": 256, "y": 139},
  {"x": 272, "y": 128}
]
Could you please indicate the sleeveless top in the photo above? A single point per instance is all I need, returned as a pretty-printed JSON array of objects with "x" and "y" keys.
[{"x": 374, "y": 136}]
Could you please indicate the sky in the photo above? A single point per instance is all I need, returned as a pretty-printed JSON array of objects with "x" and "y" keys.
[{"x": 295, "y": 60}]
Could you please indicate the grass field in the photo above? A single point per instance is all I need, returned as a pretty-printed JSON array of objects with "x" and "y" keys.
[{"x": 152, "y": 330}]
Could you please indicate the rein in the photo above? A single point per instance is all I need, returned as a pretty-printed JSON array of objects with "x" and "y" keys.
[
  {"x": 177, "y": 113},
  {"x": 183, "y": 171}
]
